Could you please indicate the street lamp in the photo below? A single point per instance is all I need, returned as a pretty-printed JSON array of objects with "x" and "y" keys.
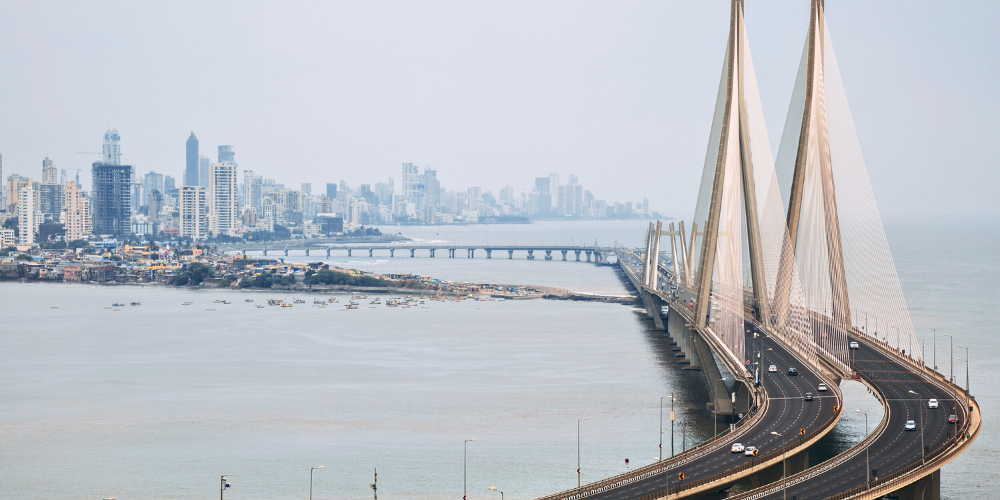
[
  {"x": 920, "y": 412},
  {"x": 672, "y": 417},
  {"x": 868, "y": 463},
  {"x": 578, "y": 449},
  {"x": 935, "y": 345},
  {"x": 224, "y": 484},
  {"x": 494, "y": 488},
  {"x": 784, "y": 492},
  {"x": 465, "y": 468},
  {"x": 966, "y": 376},
  {"x": 311, "y": 469},
  {"x": 951, "y": 357}
]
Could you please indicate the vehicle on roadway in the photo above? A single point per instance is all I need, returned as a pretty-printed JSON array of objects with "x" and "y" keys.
[
  {"x": 952, "y": 419},
  {"x": 932, "y": 403},
  {"x": 737, "y": 448},
  {"x": 772, "y": 368},
  {"x": 910, "y": 425},
  {"x": 749, "y": 451},
  {"x": 854, "y": 345},
  {"x": 792, "y": 372},
  {"x": 821, "y": 387},
  {"x": 809, "y": 396}
]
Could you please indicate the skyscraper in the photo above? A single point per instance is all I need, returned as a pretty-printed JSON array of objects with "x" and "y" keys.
[
  {"x": 252, "y": 192},
  {"x": 411, "y": 182},
  {"x": 76, "y": 212},
  {"x": 194, "y": 212},
  {"x": 203, "y": 163},
  {"x": 331, "y": 191},
  {"x": 152, "y": 181},
  {"x": 26, "y": 217},
  {"x": 226, "y": 154},
  {"x": 222, "y": 186},
  {"x": 192, "y": 173},
  {"x": 50, "y": 173},
  {"x": 112, "y": 199},
  {"x": 112, "y": 147}
]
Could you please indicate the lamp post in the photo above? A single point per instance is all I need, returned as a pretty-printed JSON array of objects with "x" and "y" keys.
[
  {"x": 660, "y": 451},
  {"x": 494, "y": 488},
  {"x": 578, "y": 449},
  {"x": 868, "y": 463},
  {"x": 311, "y": 469},
  {"x": 920, "y": 408},
  {"x": 784, "y": 492},
  {"x": 224, "y": 484},
  {"x": 465, "y": 468},
  {"x": 935, "y": 345},
  {"x": 951, "y": 357},
  {"x": 967, "y": 405},
  {"x": 672, "y": 416}
]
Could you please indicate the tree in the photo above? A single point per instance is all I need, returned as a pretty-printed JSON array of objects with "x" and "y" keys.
[{"x": 195, "y": 273}]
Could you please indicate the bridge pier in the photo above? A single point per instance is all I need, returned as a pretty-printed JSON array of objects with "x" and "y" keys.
[
  {"x": 564, "y": 252},
  {"x": 926, "y": 488},
  {"x": 286, "y": 252},
  {"x": 244, "y": 254},
  {"x": 432, "y": 253},
  {"x": 413, "y": 252},
  {"x": 489, "y": 253},
  {"x": 328, "y": 253},
  {"x": 577, "y": 255},
  {"x": 510, "y": 254},
  {"x": 371, "y": 252},
  {"x": 451, "y": 253},
  {"x": 653, "y": 309},
  {"x": 588, "y": 255},
  {"x": 599, "y": 258},
  {"x": 548, "y": 255},
  {"x": 531, "y": 255},
  {"x": 392, "y": 252},
  {"x": 348, "y": 252},
  {"x": 307, "y": 252},
  {"x": 793, "y": 465},
  {"x": 681, "y": 335},
  {"x": 472, "y": 253}
]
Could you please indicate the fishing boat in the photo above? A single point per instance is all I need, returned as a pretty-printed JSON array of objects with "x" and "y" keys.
[
  {"x": 319, "y": 302},
  {"x": 247, "y": 300},
  {"x": 118, "y": 304},
  {"x": 351, "y": 306},
  {"x": 118, "y": 309},
  {"x": 260, "y": 306},
  {"x": 299, "y": 301},
  {"x": 135, "y": 303},
  {"x": 107, "y": 308},
  {"x": 186, "y": 303},
  {"x": 332, "y": 300},
  {"x": 286, "y": 305},
  {"x": 220, "y": 301}
]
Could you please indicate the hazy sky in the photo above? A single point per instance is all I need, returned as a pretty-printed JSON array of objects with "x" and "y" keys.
[{"x": 492, "y": 93}]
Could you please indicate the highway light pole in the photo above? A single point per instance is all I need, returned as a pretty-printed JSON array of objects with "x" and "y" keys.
[
  {"x": 660, "y": 451},
  {"x": 920, "y": 408},
  {"x": 311, "y": 469},
  {"x": 465, "y": 468},
  {"x": 224, "y": 485},
  {"x": 951, "y": 357},
  {"x": 672, "y": 416},
  {"x": 784, "y": 492},
  {"x": 868, "y": 463},
  {"x": 578, "y": 449},
  {"x": 494, "y": 488},
  {"x": 966, "y": 375}
]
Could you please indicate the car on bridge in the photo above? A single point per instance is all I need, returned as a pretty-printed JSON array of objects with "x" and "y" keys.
[
  {"x": 910, "y": 425},
  {"x": 772, "y": 368},
  {"x": 792, "y": 372},
  {"x": 737, "y": 448},
  {"x": 952, "y": 419},
  {"x": 932, "y": 403},
  {"x": 821, "y": 387},
  {"x": 809, "y": 396},
  {"x": 750, "y": 451},
  {"x": 854, "y": 345}
]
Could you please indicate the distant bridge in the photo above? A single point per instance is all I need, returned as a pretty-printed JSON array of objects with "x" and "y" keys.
[{"x": 596, "y": 254}]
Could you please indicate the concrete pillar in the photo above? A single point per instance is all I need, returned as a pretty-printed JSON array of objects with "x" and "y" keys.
[
  {"x": 286, "y": 252},
  {"x": 451, "y": 253},
  {"x": 577, "y": 255},
  {"x": 392, "y": 252},
  {"x": 413, "y": 252},
  {"x": 548, "y": 254},
  {"x": 472, "y": 253},
  {"x": 348, "y": 252},
  {"x": 531, "y": 255},
  {"x": 588, "y": 255},
  {"x": 510, "y": 254},
  {"x": 432, "y": 253},
  {"x": 926, "y": 488},
  {"x": 371, "y": 252},
  {"x": 307, "y": 252},
  {"x": 564, "y": 252},
  {"x": 328, "y": 253},
  {"x": 244, "y": 254},
  {"x": 265, "y": 252},
  {"x": 489, "y": 253}
]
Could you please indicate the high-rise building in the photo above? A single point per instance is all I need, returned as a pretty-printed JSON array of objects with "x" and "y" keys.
[
  {"x": 222, "y": 186},
  {"x": 331, "y": 191},
  {"x": 307, "y": 188},
  {"x": 152, "y": 181},
  {"x": 3, "y": 192},
  {"x": 169, "y": 184},
  {"x": 227, "y": 154},
  {"x": 14, "y": 184},
  {"x": 112, "y": 148},
  {"x": 50, "y": 173},
  {"x": 507, "y": 195},
  {"x": 76, "y": 212},
  {"x": 194, "y": 212},
  {"x": 431, "y": 195},
  {"x": 50, "y": 201},
  {"x": 252, "y": 191},
  {"x": 111, "y": 200},
  {"x": 192, "y": 171},
  {"x": 411, "y": 182},
  {"x": 26, "y": 216},
  {"x": 203, "y": 163},
  {"x": 352, "y": 212}
]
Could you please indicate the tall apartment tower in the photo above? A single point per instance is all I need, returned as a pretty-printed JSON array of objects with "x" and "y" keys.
[
  {"x": 411, "y": 182},
  {"x": 50, "y": 173},
  {"x": 26, "y": 216},
  {"x": 227, "y": 154},
  {"x": 192, "y": 173},
  {"x": 222, "y": 186},
  {"x": 331, "y": 191},
  {"x": 203, "y": 163},
  {"x": 152, "y": 181},
  {"x": 112, "y": 147},
  {"x": 112, "y": 199},
  {"x": 252, "y": 191},
  {"x": 76, "y": 212},
  {"x": 194, "y": 212}
]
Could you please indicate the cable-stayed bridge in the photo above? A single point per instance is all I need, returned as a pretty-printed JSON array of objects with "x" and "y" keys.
[{"x": 786, "y": 263}]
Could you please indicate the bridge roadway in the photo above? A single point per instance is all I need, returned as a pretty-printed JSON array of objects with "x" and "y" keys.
[{"x": 599, "y": 254}]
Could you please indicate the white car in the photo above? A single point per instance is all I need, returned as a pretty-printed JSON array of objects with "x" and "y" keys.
[
  {"x": 750, "y": 451},
  {"x": 821, "y": 387},
  {"x": 737, "y": 448},
  {"x": 932, "y": 403},
  {"x": 772, "y": 368},
  {"x": 853, "y": 345},
  {"x": 910, "y": 425}
]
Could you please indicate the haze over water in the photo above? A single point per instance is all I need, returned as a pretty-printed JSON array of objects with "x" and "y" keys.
[{"x": 159, "y": 400}]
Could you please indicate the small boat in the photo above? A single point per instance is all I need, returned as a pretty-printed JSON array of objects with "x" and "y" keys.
[
  {"x": 351, "y": 306},
  {"x": 116, "y": 304},
  {"x": 286, "y": 305},
  {"x": 226, "y": 302},
  {"x": 186, "y": 304},
  {"x": 107, "y": 308},
  {"x": 260, "y": 306},
  {"x": 209, "y": 309},
  {"x": 319, "y": 302},
  {"x": 135, "y": 303},
  {"x": 353, "y": 303},
  {"x": 300, "y": 301},
  {"x": 247, "y": 300},
  {"x": 118, "y": 309},
  {"x": 219, "y": 301}
]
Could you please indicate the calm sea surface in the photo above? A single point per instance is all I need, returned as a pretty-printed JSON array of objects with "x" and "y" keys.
[{"x": 159, "y": 400}]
